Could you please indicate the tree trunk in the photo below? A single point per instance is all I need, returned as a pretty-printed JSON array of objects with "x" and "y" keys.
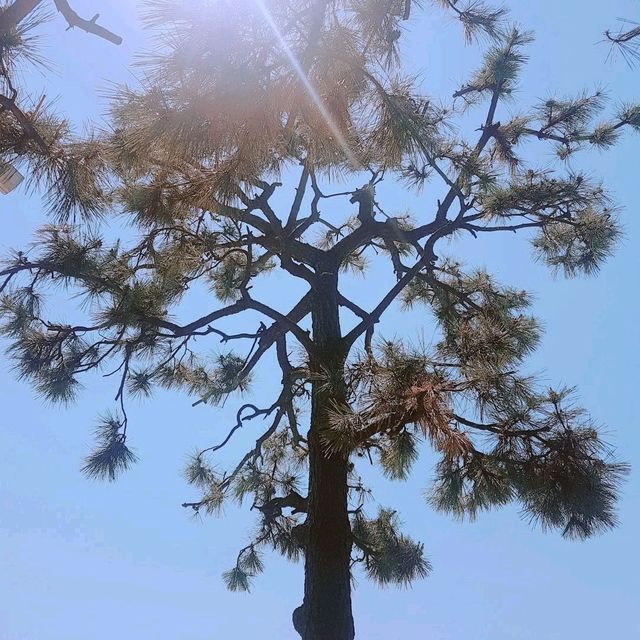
[{"x": 326, "y": 611}]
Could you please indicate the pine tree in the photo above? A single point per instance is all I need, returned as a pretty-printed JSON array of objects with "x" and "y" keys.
[
  {"x": 21, "y": 117},
  {"x": 222, "y": 159},
  {"x": 626, "y": 40}
]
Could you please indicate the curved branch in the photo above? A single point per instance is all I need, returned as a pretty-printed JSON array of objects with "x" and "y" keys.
[
  {"x": 189, "y": 329},
  {"x": 240, "y": 419},
  {"x": 90, "y": 26}
]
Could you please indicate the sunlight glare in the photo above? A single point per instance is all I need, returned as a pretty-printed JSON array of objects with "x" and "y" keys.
[{"x": 324, "y": 112}]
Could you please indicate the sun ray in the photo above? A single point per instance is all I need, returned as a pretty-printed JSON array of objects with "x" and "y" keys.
[{"x": 313, "y": 94}]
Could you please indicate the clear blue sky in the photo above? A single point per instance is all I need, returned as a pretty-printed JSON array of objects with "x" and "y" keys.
[{"x": 87, "y": 561}]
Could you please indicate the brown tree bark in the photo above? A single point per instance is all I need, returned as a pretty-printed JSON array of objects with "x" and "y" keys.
[
  {"x": 326, "y": 610},
  {"x": 14, "y": 13}
]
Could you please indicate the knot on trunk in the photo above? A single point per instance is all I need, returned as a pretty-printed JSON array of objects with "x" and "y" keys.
[{"x": 298, "y": 618}]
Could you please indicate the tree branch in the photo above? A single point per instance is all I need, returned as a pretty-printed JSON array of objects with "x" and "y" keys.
[
  {"x": 297, "y": 202},
  {"x": 273, "y": 508},
  {"x": 374, "y": 316},
  {"x": 90, "y": 26},
  {"x": 12, "y": 15}
]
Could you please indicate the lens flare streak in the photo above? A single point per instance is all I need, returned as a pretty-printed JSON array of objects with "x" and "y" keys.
[{"x": 313, "y": 94}]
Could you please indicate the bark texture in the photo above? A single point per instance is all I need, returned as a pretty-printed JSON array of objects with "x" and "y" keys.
[{"x": 326, "y": 611}]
